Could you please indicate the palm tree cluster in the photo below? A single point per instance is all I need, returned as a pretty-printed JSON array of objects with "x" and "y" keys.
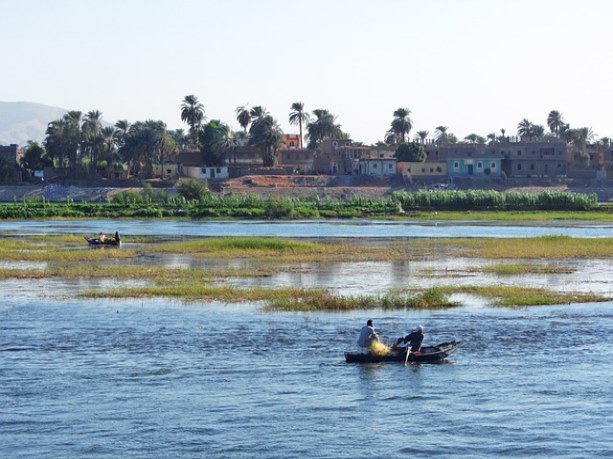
[{"x": 81, "y": 144}]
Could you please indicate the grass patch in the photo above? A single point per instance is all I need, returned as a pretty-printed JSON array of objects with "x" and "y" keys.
[
  {"x": 548, "y": 247},
  {"x": 519, "y": 269},
  {"x": 513, "y": 216},
  {"x": 318, "y": 300},
  {"x": 518, "y": 296}
]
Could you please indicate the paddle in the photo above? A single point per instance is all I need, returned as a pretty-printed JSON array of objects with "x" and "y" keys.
[{"x": 406, "y": 359}]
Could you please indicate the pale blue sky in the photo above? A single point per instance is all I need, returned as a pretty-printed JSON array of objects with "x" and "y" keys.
[{"x": 473, "y": 65}]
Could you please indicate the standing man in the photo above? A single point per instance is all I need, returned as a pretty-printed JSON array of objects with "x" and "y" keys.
[{"x": 367, "y": 336}]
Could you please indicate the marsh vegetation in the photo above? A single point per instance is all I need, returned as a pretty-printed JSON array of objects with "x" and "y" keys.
[{"x": 140, "y": 269}]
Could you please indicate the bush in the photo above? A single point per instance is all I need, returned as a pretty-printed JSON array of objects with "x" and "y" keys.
[{"x": 193, "y": 190}]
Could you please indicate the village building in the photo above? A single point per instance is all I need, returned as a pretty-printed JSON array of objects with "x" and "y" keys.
[
  {"x": 514, "y": 159},
  {"x": 428, "y": 170},
  {"x": 297, "y": 161},
  {"x": 10, "y": 154}
]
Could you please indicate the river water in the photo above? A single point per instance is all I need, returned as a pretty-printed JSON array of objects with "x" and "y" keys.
[{"x": 158, "y": 378}]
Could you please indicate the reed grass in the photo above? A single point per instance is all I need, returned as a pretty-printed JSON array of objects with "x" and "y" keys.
[
  {"x": 520, "y": 296},
  {"x": 545, "y": 247},
  {"x": 519, "y": 269}
]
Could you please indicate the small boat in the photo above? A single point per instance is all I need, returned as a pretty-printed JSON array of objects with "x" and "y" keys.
[
  {"x": 427, "y": 354},
  {"x": 115, "y": 240}
]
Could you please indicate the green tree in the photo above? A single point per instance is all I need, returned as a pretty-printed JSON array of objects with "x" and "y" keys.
[
  {"x": 475, "y": 138},
  {"x": 266, "y": 134},
  {"x": 555, "y": 121},
  {"x": 35, "y": 157},
  {"x": 401, "y": 124},
  {"x": 422, "y": 136},
  {"x": 441, "y": 134},
  {"x": 322, "y": 127},
  {"x": 243, "y": 116},
  {"x": 92, "y": 141},
  {"x": 192, "y": 113},
  {"x": 299, "y": 116},
  {"x": 214, "y": 142},
  {"x": 413, "y": 152},
  {"x": 145, "y": 143}
]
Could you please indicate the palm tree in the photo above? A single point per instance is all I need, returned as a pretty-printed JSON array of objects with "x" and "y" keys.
[
  {"x": 524, "y": 128},
  {"x": 266, "y": 134},
  {"x": 92, "y": 141},
  {"x": 243, "y": 116},
  {"x": 298, "y": 116},
  {"x": 401, "y": 124},
  {"x": 258, "y": 112},
  {"x": 441, "y": 134},
  {"x": 192, "y": 112},
  {"x": 422, "y": 136},
  {"x": 322, "y": 127},
  {"x": 555, "y": 121}
]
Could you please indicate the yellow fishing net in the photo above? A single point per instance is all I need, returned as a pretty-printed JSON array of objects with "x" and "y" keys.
[{"x": 378, "y": 348}]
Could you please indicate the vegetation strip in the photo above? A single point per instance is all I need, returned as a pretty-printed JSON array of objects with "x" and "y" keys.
[
  {"x": 518, "y": 296},
  {"x": 201, "y": 203}
]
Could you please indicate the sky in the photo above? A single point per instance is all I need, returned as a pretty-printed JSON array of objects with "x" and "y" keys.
[{"x": 475, "y": 66}]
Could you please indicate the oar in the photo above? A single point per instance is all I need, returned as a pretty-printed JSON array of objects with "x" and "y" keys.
[{"x": 406, "y": 359}]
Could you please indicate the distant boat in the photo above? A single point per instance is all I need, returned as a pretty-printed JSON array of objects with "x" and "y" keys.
[
  {"x": 115, "y": 240},
  {"x": 427, "y": 354}
]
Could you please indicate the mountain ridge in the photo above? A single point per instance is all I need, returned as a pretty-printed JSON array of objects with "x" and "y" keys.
[{"x": 22, "y": 121}]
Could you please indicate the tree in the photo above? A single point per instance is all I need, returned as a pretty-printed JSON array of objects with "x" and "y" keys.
[
  {"x": 145, "y": 143},
  {"x": 192, "y": 112},
  {"x": 299, "y": 116},
  {"x": 524, "y": 128},
  {"x": 243, "y": 116},
  {"x": 401, "y": 124},
  {"x": 92, "y": 142},
  {"x": 35, "y": 157},
  {"x": 555, "y": 121},
  {"x": 322, "y": 127},
  {"x": 266, "y": 134},
  {"x": 422, "y": 135},
  {"x": 257, "y": 112},
  {"x": 441, "y": 134},
  {"x": 214, "y": 142},
  {"x": 475, "y": 138},
  {"x": 413, "y": 152}
]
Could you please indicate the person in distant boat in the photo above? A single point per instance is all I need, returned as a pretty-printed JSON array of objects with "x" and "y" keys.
[
  {"x": 367, "y": 336},
  {"x": 416, "y": 337},
  {"x": 101, "y": 237}
]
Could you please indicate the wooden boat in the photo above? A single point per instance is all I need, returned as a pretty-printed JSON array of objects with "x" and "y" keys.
[
  {"x": 427, "y": 354},
  {"x": 113, "y": 241}
]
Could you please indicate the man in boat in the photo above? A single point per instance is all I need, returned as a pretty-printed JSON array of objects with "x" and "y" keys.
[
  {"x": 101, "y": 237},
  {"x": 367, "y": 337},
  {"x": 416, "y": 337}
]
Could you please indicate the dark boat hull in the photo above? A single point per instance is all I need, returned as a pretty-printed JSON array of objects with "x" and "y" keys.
[
  {"x": 96, "y": 241},
  {"x": 428, "y": 354}
]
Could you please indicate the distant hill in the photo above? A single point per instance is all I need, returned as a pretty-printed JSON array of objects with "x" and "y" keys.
[{"x": 23, "y": 121}]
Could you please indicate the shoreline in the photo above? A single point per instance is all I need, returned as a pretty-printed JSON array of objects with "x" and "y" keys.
[{"x": 60, "y": 193}]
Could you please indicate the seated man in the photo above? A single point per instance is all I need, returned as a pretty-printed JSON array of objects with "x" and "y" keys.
[
  {"x": 367, "y": 337},
  {"x": 416, "y": 337}
]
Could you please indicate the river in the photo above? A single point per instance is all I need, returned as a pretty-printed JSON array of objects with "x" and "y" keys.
[{"x": 163, "y": 379}]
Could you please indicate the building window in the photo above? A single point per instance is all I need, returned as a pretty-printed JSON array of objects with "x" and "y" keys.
[
  {"x": 479, "y": 165},
  {"x": 456, "y": 165},
  {"x": 218, "y": 170},
  {"x": 519, "y": 167},
  {"x": 518, "y": 152},
  {"x": 493, "y": 165},
  {"x": 531, "y": 167}
]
